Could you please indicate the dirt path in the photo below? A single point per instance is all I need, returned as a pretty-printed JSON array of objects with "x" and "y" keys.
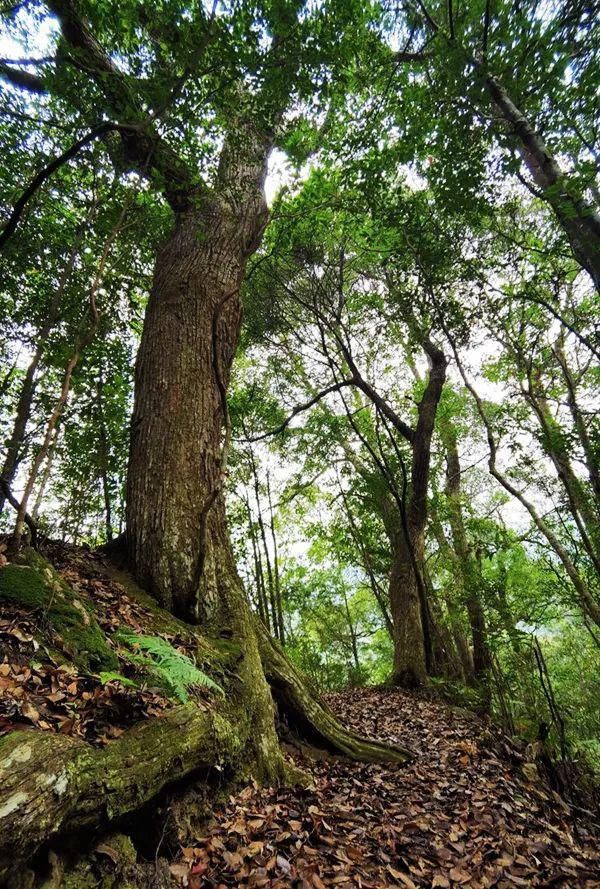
[{"x": 462, "y": 814}]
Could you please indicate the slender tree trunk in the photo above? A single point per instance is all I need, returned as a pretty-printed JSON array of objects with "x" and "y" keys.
[
  {"x": 352, "y": 632},
  {"x": 72, "y": 363},
  {"x": 464, "y": 652},
  {"x": 409, "y": 611},
  {"x": 410, "y": 663},
  {"x": 48, "y": 435},
  {"x": 587, "y": 599},
  {"x": 39, "y": 497},
  {"x": 590, "y": 455},
  {"x": 367, "y": 564},
  {"x": 15, "y": 444},
  {"x": 265, "y": 547},
  {"x": 444, "y": 661},
  {"x": 261, "y": 598},
  {"x": 554, "y": 443},
  {"x": 104, "y": 460},
  {"x": 276, "y": 576},
  {"x": 472, "y": 581}
]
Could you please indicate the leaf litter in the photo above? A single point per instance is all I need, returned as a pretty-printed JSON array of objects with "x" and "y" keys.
[
  {"x": 39, "y": 690},
  {"x": 467, "y": 812},
  {"x": 462, "y": 814}
]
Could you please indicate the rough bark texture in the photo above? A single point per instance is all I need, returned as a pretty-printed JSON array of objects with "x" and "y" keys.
[
  {"x": 408, "y": 597},
  {"x": 410, "y": 662},
  {"x": 52, "y": 785},
  {"x": 175, "y": 516},
  {"x": 176, "y": 527}
]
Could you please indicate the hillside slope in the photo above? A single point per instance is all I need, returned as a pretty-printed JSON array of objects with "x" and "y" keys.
[{"x": 467, "y": 811}]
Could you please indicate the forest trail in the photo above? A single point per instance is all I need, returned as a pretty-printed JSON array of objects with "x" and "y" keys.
[{"x": 462, "y": 814}]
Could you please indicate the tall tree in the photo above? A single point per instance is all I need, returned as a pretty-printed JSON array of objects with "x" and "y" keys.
[{"x": 236, "y": 74}]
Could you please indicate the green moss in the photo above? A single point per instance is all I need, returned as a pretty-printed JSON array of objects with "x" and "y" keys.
[
  {"x": 22, "y": 586},
  {"x": 36, "y": 586}
]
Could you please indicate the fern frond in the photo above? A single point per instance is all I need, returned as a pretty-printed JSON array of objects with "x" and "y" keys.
[
  {"x": 171, "y": 669},
  {"x": 107, "y": 676}
]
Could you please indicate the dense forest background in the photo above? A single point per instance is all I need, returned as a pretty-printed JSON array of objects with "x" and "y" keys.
[{"x": 410, "y": 446}]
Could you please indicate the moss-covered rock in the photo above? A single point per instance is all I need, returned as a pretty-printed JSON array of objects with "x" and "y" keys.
[{"x": 66, "y": 619}]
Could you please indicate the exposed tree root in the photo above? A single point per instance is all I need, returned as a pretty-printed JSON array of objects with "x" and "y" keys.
[
  {"x": 51, "y": 785},
  {"x": 312, "y": 719},
  {"x": 54, "y": 786}
]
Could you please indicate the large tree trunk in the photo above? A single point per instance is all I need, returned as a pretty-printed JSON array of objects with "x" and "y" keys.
[
  {"x": 176, "y": 526},
  {"x": 410, "y": 662},
  {"x": 177, "y": 534},
  {"x": 175, "y": 514}
]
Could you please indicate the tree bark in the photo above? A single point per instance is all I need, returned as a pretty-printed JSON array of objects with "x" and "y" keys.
[
  {"x": 410, "y": 662},
  {"x": 579, "y": 220},
  {"x": 52, "y": 785},
  {"x": 175, "y": 512},
  {"x": 470, "y": 575},
  {"x": 407, "y": 584}
]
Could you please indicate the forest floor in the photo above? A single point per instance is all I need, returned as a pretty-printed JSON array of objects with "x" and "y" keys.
[
  {"x": 462, "y": 814},
  {"x": 468, "y": 811}
]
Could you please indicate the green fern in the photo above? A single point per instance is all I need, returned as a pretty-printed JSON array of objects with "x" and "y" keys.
[
  {"x": 107, "y": 676},
  {"x": 172, "y": 670}
]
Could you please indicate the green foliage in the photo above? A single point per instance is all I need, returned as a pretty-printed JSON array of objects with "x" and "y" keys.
[
  {"x": 406, "y": 213},
  {"x": 157, "y": 659},
  {"x": 106, "y": 677}
]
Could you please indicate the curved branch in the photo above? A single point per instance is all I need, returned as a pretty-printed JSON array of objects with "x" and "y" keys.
[
  {"x": 335, "y": 387},
  {"x": 8, "y": 495},
  {"x": 37, "y": 182},
  {"x": 23, "y": 79}
]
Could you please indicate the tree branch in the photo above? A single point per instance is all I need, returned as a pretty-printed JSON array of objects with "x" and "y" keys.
[
  {"x": 37, "y": 182},
  {"x": 335, "y": 387},
  {"x": 23, "y": 79},
  {"x": 8, "y": 494},
  {"x": 142, "y": 146}
]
